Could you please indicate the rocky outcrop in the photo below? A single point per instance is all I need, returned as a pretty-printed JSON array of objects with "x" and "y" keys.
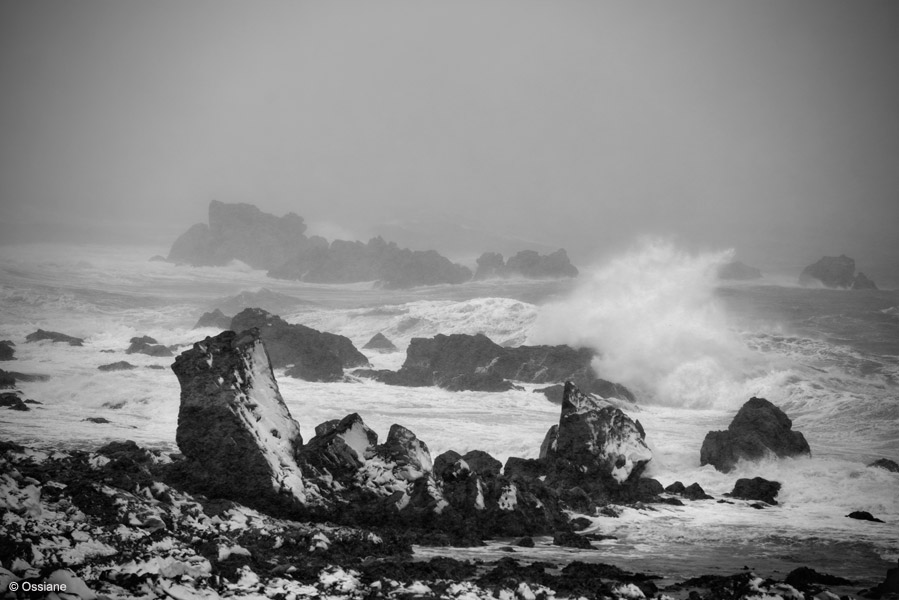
[
  {"x": 756, "y": 488},
  {"x": 380, "y": 343},
  {"x": 885, "y": 463},
  {"x": 53, "y": 336},
  {"x": 233, "y": 426},
  {"x": 7, "y": 350},
  {"x": 308, "y": 353},
  {"x": 215, "y": 319},
  {"x": 117, "y": 366},
  {"x": 598, "y": 387},
  {"x": 760, "y": 430},
  {"x": 527, "y": 263},
  {"x": 147, "y": 345},
  {"x": 264, "y": 298},
  {"x": 835, "y": 272},
  {"x": 736, "y": 270},
  {"x": 474, "y": 362}
]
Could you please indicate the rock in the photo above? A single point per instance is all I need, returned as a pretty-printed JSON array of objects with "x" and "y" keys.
[
  {"x": 12, "y": 401},
  {"x": 380, "y": 343},
  {"x": 525, "y": 542},
  {"x": 598, "y": 387},
  {"x": 157, "y": 258},
  {"x": 805, "y": 579},
  {"x": 599, "y": 440},
  {"x": 310, "y": 354},
  {"x": 481, "y": 463},
  {"x": 756, "y": 488},
  {"x": 676, "y": 488},
  {"x": 885, "y": 463},
  {"x": 490, "y": 265},
  {"x": 53, "y": 336},
  {"x": 7, "y": 350},
  {"x": 527, "y": 263},
  {"x": 215, "y": 319},
  {"x": 835, "y": 272},
  {"x": 147, "y": 345},
  {"x": 863, "y": 515},
  {"x": 890, "y": 585},
  {"x": 736, "y": 270},
  {"x": 264, "y": 298},
  {"x": 233, "y": 426},
  {"x": 694, "y": 491},
  {"x": 8, "y": 379},
  {"x": 569, "y": 539},
  {"x": 759, "y": 430},
  {"x": 98, "y": 420},
  {"x": 117, "y": 366}
]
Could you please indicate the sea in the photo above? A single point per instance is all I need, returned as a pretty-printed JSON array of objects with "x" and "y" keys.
[{"x": 692, "y": 348}]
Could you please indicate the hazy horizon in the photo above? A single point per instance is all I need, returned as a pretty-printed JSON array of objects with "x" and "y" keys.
[{"x": 772, "y": 128}]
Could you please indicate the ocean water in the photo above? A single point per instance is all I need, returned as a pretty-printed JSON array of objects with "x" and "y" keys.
[{"x": 692, "y": 349}]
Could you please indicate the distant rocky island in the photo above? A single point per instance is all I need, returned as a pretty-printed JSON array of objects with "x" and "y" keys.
[
  {"x": 836, "y": 272},
  {"x": 280, "y": 246},
  {"x": 738, "y": 271}
]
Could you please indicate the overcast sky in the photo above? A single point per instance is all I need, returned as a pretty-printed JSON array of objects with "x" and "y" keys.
[{"x": 769, "y": 126}]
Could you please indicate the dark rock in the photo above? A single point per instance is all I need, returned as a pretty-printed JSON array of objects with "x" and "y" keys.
[
  {"x": 53, "y": 336},
  {"x": 379, "y": 342},
  {"x": 694, "y": 491},
  {"x": 648, "y": 489},
  {"x": 446, "y": 466},
  {"x": 806, "y": 580},
  {"x": 490, "y": 265},
  {"x": 532, "y": 265},
  {"x": 525, "y": 542},
  {"x": 12, "y": 401},
  {"x": 759, "y": 430},
  {"x": 117, "y": 366},
  {"x": 756, "y": 488},
  {"x": 885, "y": 463},
  {"x": 580, "y": 523},
  {"x": 264, "y": 298},
  {"x": 676, "y": 488},
  {"x": 863, "y": 515},
  {"x": 861, "y": 282},
  {"x": 597, "y": 387},
  {"x": 7, "y": 379},
  {"x": 569, "y": 539},
  {"x": 7, "y": 350},
  {"x": 147, "y": 345},
  {"x": 215, "y": 319},
  {"x": 889, "y": 585},
  {"x": 737, "y": 270},
  {"x": 98, "y": 420},
  {"x": 482, "y": 463},
  {"x": 233, "y": 427},
  {"x": 314, "y": 355},
  {"x": 835, "y": 272}
]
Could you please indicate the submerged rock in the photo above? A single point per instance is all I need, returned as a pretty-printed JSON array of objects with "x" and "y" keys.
[
  {"x": 379, "y": 342},
  {"x": 234, "y": 428},
  {"x": 53, "y": 336},
  {"x": 215, "y": 318},
  {"x": 759, "y": 430},
  {"x": 309, "y": 354}
]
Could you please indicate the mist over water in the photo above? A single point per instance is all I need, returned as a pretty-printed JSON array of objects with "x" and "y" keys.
[{"x": 653, "y": 316}]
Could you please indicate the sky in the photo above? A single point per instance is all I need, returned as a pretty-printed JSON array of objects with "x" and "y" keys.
[{"x": 767, "y": 126}]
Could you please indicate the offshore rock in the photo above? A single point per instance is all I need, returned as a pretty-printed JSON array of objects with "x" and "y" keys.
[
  {"x": 215, "y": 319},
  {"x": 380, "y": 343},
  {"x": 117, "y": 366},
  {"x": 310, "y": 354},
  {"x": 7, "y": 350},
  {"x": 598, "y": 387},
  {"x": 861, "y": 282},
  {"x": 527, "y": 263},
  {"x": 756, "y": 488},
  {"x": 835, "y": 272},
  {"x": 147, "y": 345},
  {"x": 234, "y": 429},
  {"x": 885, "y": 463},
  {"x": 53, "y": 336},
  {"x": 738, "y": 271},
  {"x": 759, "y": 430},
  {"x": 264, "y": 298}
]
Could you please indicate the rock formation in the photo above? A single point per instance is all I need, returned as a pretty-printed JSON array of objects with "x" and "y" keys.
[
  {"x": 215, "y": 319},
  {"x": 527, "y": 263},
  {"x": 759, "y": 430},
  {"x": 233, "y": 426},
  {"x": 147, "y": 345},
  {"x": 7, "y": 350},
  {"x": 380, "y": 343},
  {"x": 736, "y": 270},
  {"x": 885, "y": 463},
  {"x": 474, "y": 362},
  {"x": 309, "y": 354},
  {"x": 756, "y": 488},
  {"x": 264, "y": 298},
  {"x": 53, "y": 336},
  {"x": 835, "y": 272}
]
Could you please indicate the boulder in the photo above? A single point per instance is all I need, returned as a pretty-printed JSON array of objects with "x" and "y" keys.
[
  {"x": 736, "y": 270},
  {"x": 233, "y": 426},
  {"x": 863, "y": 515},
  {"x": 759, "y": 430},
  {"x": 7, "y": 350},
  {"x": 885, "y": 463},
  {"x": 756, "y": 488},
  {"x": 12, "y": 401},
  {"x": 53, "y": 336},
  {"x": 215, "y": 319},
  {"x": 380, "y": 343},
  {"x": 835, "y": 272},
  {"x": 310, "y": 354},
  {"x": 117, "y": 366},
  {"x": 147, "y": 345}
]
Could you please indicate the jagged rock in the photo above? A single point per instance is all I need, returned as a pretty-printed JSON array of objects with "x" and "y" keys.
[
  {"x": 314, "y": 355},
  {"x": 147, "y": 345},
  {"x": 233, "y": 426},
  {"x": 379, "y": 342},
  {"x": 216, "y": 319},
  {"x": 863, "y": 515},
  {"x": 117, "y": 366},
  {"x": 756, "y": 488},
  {"x": 7, "y": 350},
  {"x": 12, "y": 401},
  {"x": 598, "y": 387},
  {"x": 474, "y": 362},
  {"x": 835, "y": 272},
  {"x": 805, "y": 579},
  {"x": 759, "y": 430},
  {"x": 53, "y": 336},
  {"x": 737, "y": 270},
  {"x": 676, "y": 488},
  {"x": 694, "y": 491},
  {"x": 885, "y": 463}
]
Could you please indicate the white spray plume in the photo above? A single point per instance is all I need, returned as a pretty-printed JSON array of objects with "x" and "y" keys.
[{"x": 653, "y": 317}]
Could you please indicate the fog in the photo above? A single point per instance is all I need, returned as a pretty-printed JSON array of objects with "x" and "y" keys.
[{"x": 769, "y": 127}]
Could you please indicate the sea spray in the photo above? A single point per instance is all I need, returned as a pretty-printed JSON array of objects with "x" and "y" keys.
[{"x": 653, "y": 316}]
